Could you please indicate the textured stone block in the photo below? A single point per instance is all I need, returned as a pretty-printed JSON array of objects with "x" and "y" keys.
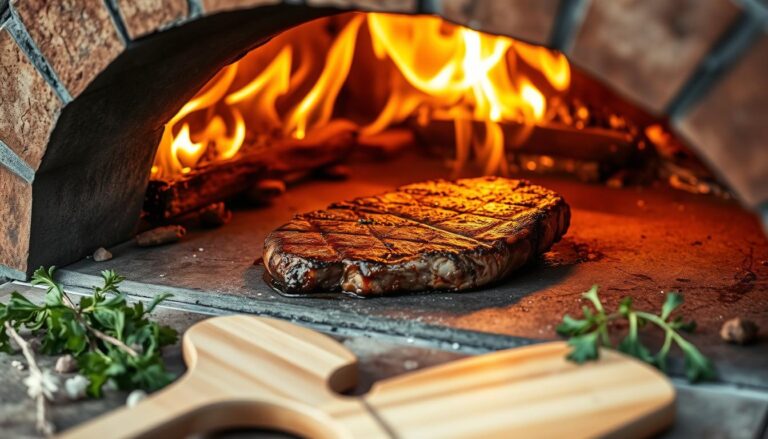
[
  {"x": 228, "y": 5},
  {"x": 77, "y": 37},
  {"x": 368, "y": 5},
  {"x": 28, "y": 105},
  {"x": 142, "y": 17},
  {"x": 729, "y": 127},
  {"x": 648, "y": 49},
  {"x": 16, "y": 214},
  {"x": 529, "y": 20}
]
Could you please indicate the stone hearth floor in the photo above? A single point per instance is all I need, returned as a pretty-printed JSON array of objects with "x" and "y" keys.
[{"x": 631, "y": 241}]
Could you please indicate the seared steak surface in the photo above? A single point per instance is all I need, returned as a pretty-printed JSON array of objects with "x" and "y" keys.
[{"x": 446, "y": 235}]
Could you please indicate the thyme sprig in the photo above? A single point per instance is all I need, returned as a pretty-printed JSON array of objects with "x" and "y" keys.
[
  {"x": 593, "y": 331},
  {"x": 110, "y": 339}
]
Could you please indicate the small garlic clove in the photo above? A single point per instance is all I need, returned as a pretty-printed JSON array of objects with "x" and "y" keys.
[
  {"x": 75, "y": 387},
  {"x": 135, "y": 397}
]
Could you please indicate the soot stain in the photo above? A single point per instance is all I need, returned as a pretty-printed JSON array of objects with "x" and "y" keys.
[{"x": 743, "y": 281}]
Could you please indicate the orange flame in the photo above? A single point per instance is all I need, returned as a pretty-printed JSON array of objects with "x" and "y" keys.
[{"x": 431, "y": 69}]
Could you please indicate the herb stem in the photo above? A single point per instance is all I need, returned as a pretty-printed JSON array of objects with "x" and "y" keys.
[
  {"x": 658, "y": 321},
  {"x": 24, "y": 346},
  {"x": 71, "y": 305},
  {"x": 633, "y": 325},
  {"x": 42, "y": 423},
  {"x": 114, "y": 341},
  {"x": 668, "y": 334},
  {"x": 98, "y": 334}
]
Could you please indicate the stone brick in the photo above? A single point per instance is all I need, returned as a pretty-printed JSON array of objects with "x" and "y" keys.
[
  {"x": 408, "y": 6},
  {"x": 729, "y": 127},
  {"x": 142, "y": 17},
  {"x": 28, "y": 105},
  {"x": 228, "y": 5},
  {"x": 529, "y": 20},
  {"x": 16, "y": 214},
  {"x": 647, "y": 49},
  {"x": 77, "y": 37}
]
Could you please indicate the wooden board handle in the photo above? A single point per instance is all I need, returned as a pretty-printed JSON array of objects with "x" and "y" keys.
[
  {"x": 177, "y": 412},
  {"x": 245, "y": 371}
]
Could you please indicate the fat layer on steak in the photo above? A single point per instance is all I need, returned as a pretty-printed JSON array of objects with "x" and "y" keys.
[{"x": 434, "y": 235}]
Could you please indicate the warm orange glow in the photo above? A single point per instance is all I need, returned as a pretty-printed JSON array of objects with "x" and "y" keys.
[
  {"x": 316, "y": 107},
  {"x": 429, "y": 69},
  {"x": 553, "y": 65}
]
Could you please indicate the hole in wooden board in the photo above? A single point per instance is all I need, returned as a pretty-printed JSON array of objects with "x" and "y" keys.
[{"x": 245, "y": 433}]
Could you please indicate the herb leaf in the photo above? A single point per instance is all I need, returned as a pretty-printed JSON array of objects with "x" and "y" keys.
[
  {"x": 571, "y": 326},
  {"x": 697, "y": 366},
  {"x": 585, "y": 348},
  {"x": 672, "y": 301}
]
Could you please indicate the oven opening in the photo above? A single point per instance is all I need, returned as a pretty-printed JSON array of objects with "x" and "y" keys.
[{"x": 359, "y": 89}]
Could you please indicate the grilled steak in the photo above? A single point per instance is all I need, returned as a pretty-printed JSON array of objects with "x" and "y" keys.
[{"x": 445, "y": 235}]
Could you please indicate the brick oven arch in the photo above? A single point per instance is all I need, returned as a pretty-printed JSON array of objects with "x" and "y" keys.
[{"x": 88, "y": 86}]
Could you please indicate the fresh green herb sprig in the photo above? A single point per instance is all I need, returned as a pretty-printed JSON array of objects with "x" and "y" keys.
[
  {"x": 109, "y": 338},
  {"x": 593, "y": 330}
]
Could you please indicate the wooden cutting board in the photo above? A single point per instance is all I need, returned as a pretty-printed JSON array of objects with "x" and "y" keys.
[{"x": 246, "y": 371}]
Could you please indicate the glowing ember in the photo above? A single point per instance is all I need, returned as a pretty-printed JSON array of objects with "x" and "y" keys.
[{"x": 428, "y": 69}]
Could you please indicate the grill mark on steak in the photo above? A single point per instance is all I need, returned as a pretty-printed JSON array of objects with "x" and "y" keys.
[
  {"x": 324, "y": 237},
  {"x": 431, "y": 235},
  {"x": 429, "y": 226},
  {"x": 367, "y": 225},
  {"x": 415, "y": 241}
]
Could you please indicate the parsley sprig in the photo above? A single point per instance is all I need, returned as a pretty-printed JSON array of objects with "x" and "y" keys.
[
  {"x": 593, "y": 331},
  {"x": 109, "y": 338}
]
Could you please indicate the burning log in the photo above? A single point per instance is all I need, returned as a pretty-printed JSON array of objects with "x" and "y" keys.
[
  {"x": 160, "y": 236},
  {"x": 386, "y": 143},
  {"x": 222, "y": 180},
  {"x": 588, "y": 144}
]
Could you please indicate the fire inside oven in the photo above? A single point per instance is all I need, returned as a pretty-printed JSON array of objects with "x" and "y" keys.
[
  {"x": 358, "y": 89},
  {"x": 377, "y": 83}
]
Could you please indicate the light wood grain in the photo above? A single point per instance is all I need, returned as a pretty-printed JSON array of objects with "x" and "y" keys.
[{"x": 246, "y": 371}]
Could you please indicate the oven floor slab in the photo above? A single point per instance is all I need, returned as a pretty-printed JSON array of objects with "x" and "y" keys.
[{"x": 630, "y": 241}]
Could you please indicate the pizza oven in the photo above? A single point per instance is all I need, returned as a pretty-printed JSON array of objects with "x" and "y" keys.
[{"x": 224, "y": 118}]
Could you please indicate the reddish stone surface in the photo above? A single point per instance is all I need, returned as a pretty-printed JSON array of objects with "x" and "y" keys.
[
  {"x": 368, "y": 5},
  {"x": 648, "y": 49},
  {"x": 142, "y": 17},
  {"x": 729, "y": 127},
  {"x": 16, "y": 214},
  {"x": 28, "y": 105},
  {"x": 77, "y": 37},
  {"x": 529, "y": 20},
  {"x": 226, "y": 5}
]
